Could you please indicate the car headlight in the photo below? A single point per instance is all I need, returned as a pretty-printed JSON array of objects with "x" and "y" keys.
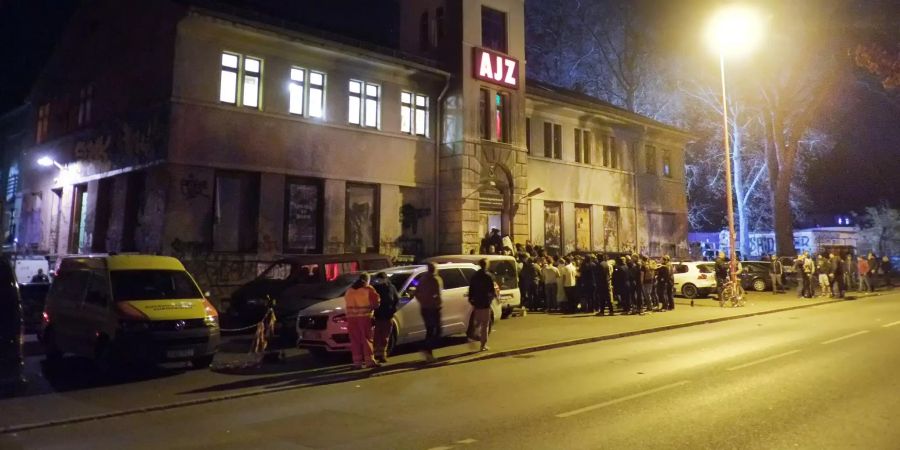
[{"x": 211, "y": 321}]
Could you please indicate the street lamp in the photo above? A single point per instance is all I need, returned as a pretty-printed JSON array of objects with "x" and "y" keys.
[
  {"x": 46, "y": 161},
  {"x": 737, "y": 30}
]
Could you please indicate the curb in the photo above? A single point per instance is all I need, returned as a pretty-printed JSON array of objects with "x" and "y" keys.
[{"x": 365, "y": 375}]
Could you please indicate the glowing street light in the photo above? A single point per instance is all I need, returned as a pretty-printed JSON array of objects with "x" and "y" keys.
[{"x": 735, "y": 30}]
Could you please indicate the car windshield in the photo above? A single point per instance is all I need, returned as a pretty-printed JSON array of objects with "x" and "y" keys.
[{"x": 152, "y": 285}]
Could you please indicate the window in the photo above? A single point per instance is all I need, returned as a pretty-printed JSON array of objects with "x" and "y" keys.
[
  {"x": 583, "y": 146},
  {"x": 85, "y": 104},
  {"x": 438, "y": 25},
  {"x": 493, "y": 29},
  {"x": 577, "y": 145},
  {"x": 250, "y": 80},
  {"x": 588, "y": 146},
  {"x": 228, "y": 86},
  {"x": 582, "y": 227},
  {"x": 413, "y": 113},
  {"x": 610, "y": 229},
  {"x": 129, "y": 285},
  {"x": 42, "y": 123},
  {"x": 297, "y": 89},
  {"x": 303, "y": 216},
  {"x": 361, "y": 228},
  {"x": 505, "y": 273},
  {"x": 316, "y": 105},
  {"x": 424, "y": 36},
  {"x": 501, "y": 116},
  {"x": 484, "y": 114},
  {"x": 667, "y": 163},
  {"x": 453, "y": 278},
  {"x": 528, "y": 134},
  {"x": 306, "y": 94},
  {"x": 557, "y": 141},
  {"x": 363, "y": 108},
  {"x": 236, "y": 210},
  {"x": 252, "y": 71},
  {"x": 552, "y": 228},
  {"x": 651, "y": 159},
  {"x": 613, "y": 153}
]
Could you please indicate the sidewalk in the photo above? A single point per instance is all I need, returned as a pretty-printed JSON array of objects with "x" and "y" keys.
[{"x": 231, "y": 376}]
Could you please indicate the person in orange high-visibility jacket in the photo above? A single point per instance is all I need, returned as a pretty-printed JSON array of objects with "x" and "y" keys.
[{"x": 361, "y": 299}]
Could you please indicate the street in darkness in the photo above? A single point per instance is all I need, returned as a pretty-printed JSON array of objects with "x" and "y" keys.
[{"x": 820, "y": 377}]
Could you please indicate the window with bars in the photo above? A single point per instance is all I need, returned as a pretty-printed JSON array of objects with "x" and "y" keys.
[
  {"x": 414, "y": 113},
  {"x": 363, "y": 108}
]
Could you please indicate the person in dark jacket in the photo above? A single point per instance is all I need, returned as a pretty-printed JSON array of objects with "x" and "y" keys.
[
  {"x": 604, "y": 285},
  {"x": 836, "y": 279},
  {"x": 635, "y": 276},
  {"x": 483, "y": 291},
  {"x": 664, "y": 284},
  {"x": 586, "y": 284},
  {"x": 528, "y": 283},
  {"x": 620, "y": 285},
  {"x": 384, "y": 314},
  {"x": 428, "y": 294}
]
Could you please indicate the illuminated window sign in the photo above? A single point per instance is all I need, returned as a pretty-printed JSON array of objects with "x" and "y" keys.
[{"x": 496, "y": 68}]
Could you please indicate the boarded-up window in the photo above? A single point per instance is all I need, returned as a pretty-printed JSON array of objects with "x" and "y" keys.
[
  {"x": 361, "y": 230},
  {"x": 303, "y": 216},
  {"x": 611, "y": 229},
  {"x": 236, "y": 212},
  {"x": 552, "y": 228},
  {"x": 582, "y": 227}
]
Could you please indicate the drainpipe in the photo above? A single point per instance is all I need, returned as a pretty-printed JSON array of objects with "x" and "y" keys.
[
  {"x": 438, "y": 140},
  {"x": 634, "y": 191}
]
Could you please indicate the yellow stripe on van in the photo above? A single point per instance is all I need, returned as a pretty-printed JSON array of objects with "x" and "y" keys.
[
  {"x": 143, "y": 262},
  {"x": 170, "y": 309}
]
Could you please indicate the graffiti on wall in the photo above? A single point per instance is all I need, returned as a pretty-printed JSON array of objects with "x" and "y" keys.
[{"x": 219, "y": 273}]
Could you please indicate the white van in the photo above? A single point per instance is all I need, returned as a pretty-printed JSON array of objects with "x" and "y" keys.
[{"x": 502, "y": 267}]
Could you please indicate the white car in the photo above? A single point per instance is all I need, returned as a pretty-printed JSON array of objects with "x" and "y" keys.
[
  {"x": 322, "y": 327},
  {"x": 694, "y": 279}
]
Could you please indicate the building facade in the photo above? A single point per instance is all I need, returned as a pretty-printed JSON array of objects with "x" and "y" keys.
[{"x": 228, "y": 139}]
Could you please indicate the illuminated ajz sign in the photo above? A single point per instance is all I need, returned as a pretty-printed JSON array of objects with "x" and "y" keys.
[{"x": 496, "y": 68}]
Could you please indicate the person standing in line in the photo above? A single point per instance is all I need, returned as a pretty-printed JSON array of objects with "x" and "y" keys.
[
  {"x": 809, "y": 270},
  {"x": 528, "y": 283},
  {"x": 837, "y": 276},
  {"x": 428, "y": 294},
  {"x": 620, "y": 285},
  {"x": 824, "y": 271},
  {"x": 636, "y": 273},
  {"x": 551, "y": 278},
  {"x": 650, "y": 278},
  {"x": 862, "y": 271},
  {"x": 603, "y": 294},
  {"x": 798, "y": 273},
  {"x": 586, "y": 286},
  {"x": 560, "y": 284},
  {"x": 664, "y": 283},
  {"x": 776, "y": 270},
  {"x": 647, "y": 283},
  {"x": 483, "y": 291},
  {"x": 873, "y": 270},
  {"x": 384, "y": 314},
  {"x": 886, "y": 267},
  {"x": 849, "y": 272},
  {"x": 359, "y": 302},
  {"x": 569, "y": 275}
]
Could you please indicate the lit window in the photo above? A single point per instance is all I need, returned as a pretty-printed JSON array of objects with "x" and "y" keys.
[
  {"x": 363, "y": 104},
  {"x": 316, "y": 94},
  {"x": 501, "y": 117},
  {"x": 297, "y": 88},
  {"x": 252, "y": 70},
  {"x": 413, "y": 113},
  {"x": 228, "y": 83}
]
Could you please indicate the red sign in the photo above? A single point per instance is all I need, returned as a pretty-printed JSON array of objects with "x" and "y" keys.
[{"x": 495, "y": 68}]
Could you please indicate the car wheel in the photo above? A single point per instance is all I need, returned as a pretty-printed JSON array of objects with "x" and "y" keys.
[
  {"x": 51, "y": 351},
  {"x": 759, "y": 285},
  {"x": 203, "y": 362},
  {"x": 689, "y": 291},
  {"x": 504, "y": 313}
]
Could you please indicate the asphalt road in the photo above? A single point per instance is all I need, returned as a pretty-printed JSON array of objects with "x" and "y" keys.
[{"x": 823, "y": 377}]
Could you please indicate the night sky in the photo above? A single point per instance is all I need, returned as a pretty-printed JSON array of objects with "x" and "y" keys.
[{"x": 864, "y": 122}]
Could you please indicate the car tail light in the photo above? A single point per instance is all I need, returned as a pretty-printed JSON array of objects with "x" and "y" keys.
[
  {"x": 45, "y": 318},
  {"x": 702, "y": 276}
]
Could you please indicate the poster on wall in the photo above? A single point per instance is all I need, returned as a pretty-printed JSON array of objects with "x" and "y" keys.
[
  {"x": 611, "y": 229},
  {"x": 360, "y": 218},
  {"x": 303, "y": 217},
  {"x": 552, "y": 228},
  {"x": 582, "y": 228}
]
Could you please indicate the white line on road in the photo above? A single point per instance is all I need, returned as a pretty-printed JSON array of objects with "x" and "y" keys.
[
  {"x": 620, "y": 400},
  {"x": 467, "y": 441},
  {"x": 760, "y": 361},
  {"x": 831, "y": 341},
  {"x": 891, "y": 324},
  {"x": 440, "y": 448}
]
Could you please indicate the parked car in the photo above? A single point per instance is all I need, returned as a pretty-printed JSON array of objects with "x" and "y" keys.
[
  {"x": 322, "y": 328},
  {"x": 288, "y": 279},
  {"x": 141, "y": 308},
  {"x": 12, "y": 333},
  {"x": 694, "y": 279},
  {"x": 755, "y": 275},
  {"x": 504, "y": 269}
]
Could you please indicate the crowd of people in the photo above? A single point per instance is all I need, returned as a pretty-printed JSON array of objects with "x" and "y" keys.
[
  {"x": 594, "y": 283},
  {"x": 833, "y": 276}
]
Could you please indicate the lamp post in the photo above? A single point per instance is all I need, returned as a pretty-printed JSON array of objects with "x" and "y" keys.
[{"x": 734, "y": 29}]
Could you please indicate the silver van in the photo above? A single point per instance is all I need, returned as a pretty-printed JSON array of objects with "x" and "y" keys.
[{"x": 502, "y": 267}]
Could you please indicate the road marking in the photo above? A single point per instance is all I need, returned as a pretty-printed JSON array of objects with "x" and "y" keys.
[
  {"x": 467, "y": 441},
  {"x": 440, "y": 448},
  {"x": 831, "y": 341},
  {"x": 891, "y": 324},
  {"x": 760, "y": 361},
  {"x": 620, "y": 400}
]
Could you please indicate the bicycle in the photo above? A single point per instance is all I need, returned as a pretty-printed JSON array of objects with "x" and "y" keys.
[{"x": 732, "y": 294}]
